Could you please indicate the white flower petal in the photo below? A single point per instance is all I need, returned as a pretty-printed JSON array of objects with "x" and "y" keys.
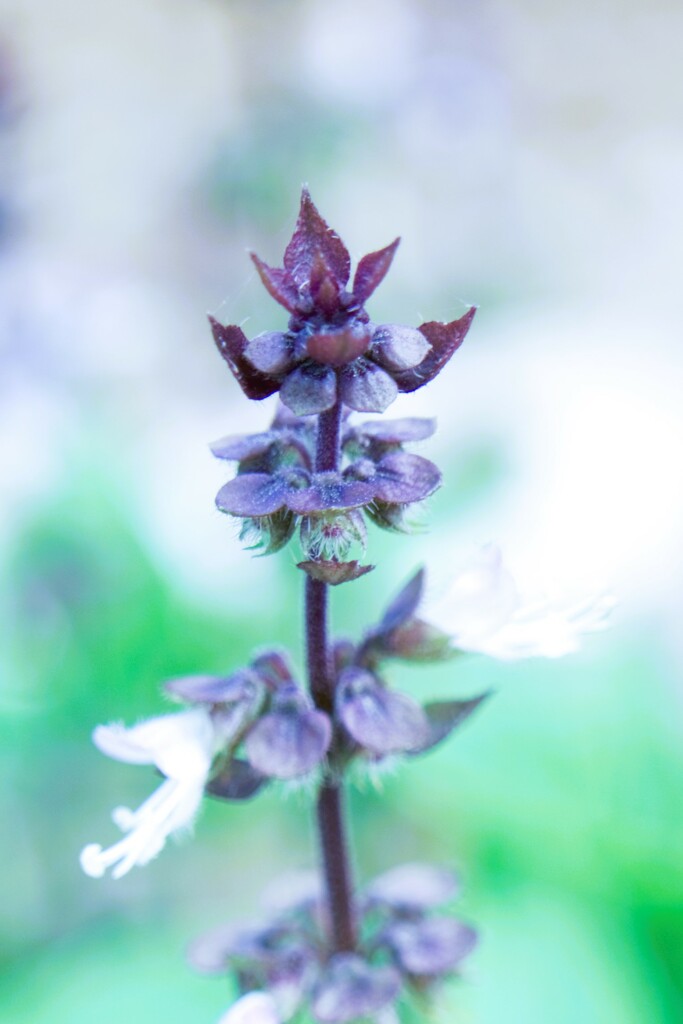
[
  {"x": 254, "y": 1008},
  {"x": 479, "y": 599},
  {"x": 173, "y": 806},
  {"x": 180, "y": 745},
  {"x": 484, "y": 614}
]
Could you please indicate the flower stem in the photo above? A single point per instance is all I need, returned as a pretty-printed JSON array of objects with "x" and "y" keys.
[
  {"x": 330, "y": 817},
  {"x": 336, "y": 867}
]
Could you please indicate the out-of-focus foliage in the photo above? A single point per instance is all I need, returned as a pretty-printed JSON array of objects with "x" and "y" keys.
[{"x": 531, "y": 160}]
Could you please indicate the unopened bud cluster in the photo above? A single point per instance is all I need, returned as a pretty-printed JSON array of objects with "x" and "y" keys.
[
  {"x": 278, "y": 489},
  {"x": 407, "y": 943}
]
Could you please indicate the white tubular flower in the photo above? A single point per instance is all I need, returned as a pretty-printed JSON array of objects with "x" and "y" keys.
[
  {"x": 484, "y": 614},
  {"x": 254, "y": 1008},
  {"x": 182, "y": 746}
]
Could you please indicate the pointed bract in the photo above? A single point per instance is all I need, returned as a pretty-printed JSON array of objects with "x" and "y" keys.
[
  {"x": 405, "y": 604},
  {"x": 334, "y": 573},
  {"x": 445, "y": 340},
  {"x": 372, "y": 270},
  {"x": 312, "y": 238},
  {"x": 231, "y": 343},
  {"x": 445, "y": 716},
  {"x": 278, "y": 283},
  {"x": 416, "y": 640},
  {"x": 325, "y": 288}
]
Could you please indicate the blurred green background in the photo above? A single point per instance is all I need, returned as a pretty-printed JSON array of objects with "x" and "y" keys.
[{"x": 530, "y": 155}]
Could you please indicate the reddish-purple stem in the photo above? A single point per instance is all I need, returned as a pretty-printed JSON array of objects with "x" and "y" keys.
[{"x": 333, "y": 841}]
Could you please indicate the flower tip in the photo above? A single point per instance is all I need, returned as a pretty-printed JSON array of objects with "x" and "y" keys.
[
  {"x": 92, "y": 861},
  {"x": 123, "y": 818}
]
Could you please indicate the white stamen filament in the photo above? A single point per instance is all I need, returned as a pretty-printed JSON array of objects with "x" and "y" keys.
[{"x": 172, "y": 806}]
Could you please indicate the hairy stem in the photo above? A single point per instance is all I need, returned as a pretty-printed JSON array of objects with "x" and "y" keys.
[
  {"x": 336, "y": 867},
  {"x": 330, "y": 817}
]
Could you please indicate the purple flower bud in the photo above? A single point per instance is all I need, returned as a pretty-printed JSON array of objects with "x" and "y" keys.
[
  {"x": 413, "y": 887},
  {"x": 291, "y": 740},
  {"x": 335, "y": 347},
  {"x": 236, "y": 780},
  {"x": 378, "y": 719},
  {"x": 270, "y": 352},
  {"x": 350, "y": 988},
  {"x": 330, "y": 538},
  {"x": 310, "y": 389},
  {"x": 431, "y": 947},
  {"x": 399, "y": 348},
  {"x": 365, "y": 387}
]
